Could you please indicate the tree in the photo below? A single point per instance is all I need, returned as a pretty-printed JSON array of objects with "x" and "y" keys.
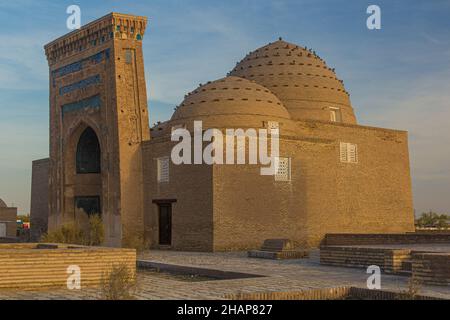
[
  {"x": 24, "y": 218},
  {"x": 433, "y": 220}
]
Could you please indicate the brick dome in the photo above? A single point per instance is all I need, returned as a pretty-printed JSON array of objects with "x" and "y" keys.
[
  {"x": 304, "y": 83},
  {"x": 230, "y": 102}
]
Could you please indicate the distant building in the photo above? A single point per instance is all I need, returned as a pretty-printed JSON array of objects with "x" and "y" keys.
[
  {"x": 8, "y": 221},
  {"x": 336, "y": 176},
  {"x": 39, "y": 199}
]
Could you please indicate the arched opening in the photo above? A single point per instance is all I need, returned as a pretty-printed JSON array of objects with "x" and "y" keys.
[{"x": 88, "y": 153}]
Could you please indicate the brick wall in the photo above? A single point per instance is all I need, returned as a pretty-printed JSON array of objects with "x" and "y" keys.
[
  {"x": 353, "y": 257},
  {"x": 250, "y": 208},
  {"x": 431, "y": 268},
  {"x": 324, "y": 196},
  {"x": 22, "y": 266},
  {"x": 389, "y": 260},
  {"x": 191, "y": 187},
  {"x": 374, "y": 239},
  {"x": 339, "y": 293},
  {"x": 373, "y": 195}
]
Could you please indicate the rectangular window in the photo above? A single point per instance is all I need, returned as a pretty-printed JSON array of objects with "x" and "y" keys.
[
  {"x": 335, "y": 115},
  {"x": 163, "y": 169},
  {"x": 284, "y": 169},
  {"x": 349, "y": 152}
]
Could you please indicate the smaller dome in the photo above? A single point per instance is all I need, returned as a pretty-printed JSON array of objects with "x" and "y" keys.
[
  {"x": 3, "y": 204},
  {"x": 229, "y": 103}
]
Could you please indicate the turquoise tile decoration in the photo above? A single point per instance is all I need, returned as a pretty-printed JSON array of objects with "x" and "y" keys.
[
  {"x": 80, "y": 85},
  {"x": 79, "y": 65},
  {"x": 93, "y": 102}
]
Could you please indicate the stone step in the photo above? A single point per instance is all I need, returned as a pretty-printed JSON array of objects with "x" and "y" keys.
[{"x": 294, "y": 254}]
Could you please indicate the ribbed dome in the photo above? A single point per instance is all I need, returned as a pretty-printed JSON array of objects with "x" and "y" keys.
[
  {"x": 228, "y": 103},
  {"x": 304, "y": 83},
  {"x": 2, "y": 204}
]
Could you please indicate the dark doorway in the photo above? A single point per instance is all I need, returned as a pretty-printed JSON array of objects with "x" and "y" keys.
[
  {"x": 88, "y": 153},
  {"x": 90, "y": 205},
  {"x": 165, "y": 224}
]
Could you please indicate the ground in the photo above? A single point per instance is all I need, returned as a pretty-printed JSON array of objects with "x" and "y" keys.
[{"x": 285, "y": 275}]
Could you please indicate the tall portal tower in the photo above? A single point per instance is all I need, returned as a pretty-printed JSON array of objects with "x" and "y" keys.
[{"x": 98, "y": 119}]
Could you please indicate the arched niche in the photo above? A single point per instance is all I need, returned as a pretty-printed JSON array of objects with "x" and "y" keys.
[{"x": 88, "y": 154}]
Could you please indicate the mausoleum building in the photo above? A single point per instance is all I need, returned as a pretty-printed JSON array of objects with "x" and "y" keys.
[{"x": 334, "y": 175}]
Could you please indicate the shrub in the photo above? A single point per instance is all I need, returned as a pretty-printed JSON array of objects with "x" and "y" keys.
[
  {"x": 119, "y": 284},
  {"x": 412, "y": 291},
  {"x": 96, "y": 231},
  {"x": 86, "y": 230},
  {"x": 69, "y": 233},
  {"x": 135, "y": 241}
]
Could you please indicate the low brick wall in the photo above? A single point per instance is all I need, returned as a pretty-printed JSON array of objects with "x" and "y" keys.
[
  {"x": 352, "y": 257},
  {"x": 426, "y": 268},
  {"x": 394, "y": 261},
  {"x": 27, "y": 267},
  {"x": 9, "y": 240},
  {"x": 431, "y": 268},
  {"x": 389, "y": 260},
  {"x": 314, "y": 294},
  {"x": 376, "y": 239},
  {"x": 340, "y": 293}
]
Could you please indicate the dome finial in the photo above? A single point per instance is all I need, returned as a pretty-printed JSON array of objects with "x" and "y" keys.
[{"x": 280, "y": 38}]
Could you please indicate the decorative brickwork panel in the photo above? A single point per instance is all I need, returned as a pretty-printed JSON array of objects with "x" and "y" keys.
[
  {"x": 80, "y": 84},
  {"x": 79, "y": 65},
  {"x": 89, "y": 103}
]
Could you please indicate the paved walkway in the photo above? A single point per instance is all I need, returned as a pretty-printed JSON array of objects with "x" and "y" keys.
[{"x": 285, "y": 275}]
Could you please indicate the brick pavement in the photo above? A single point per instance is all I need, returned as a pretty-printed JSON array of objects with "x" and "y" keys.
[{"x": 287, "y": 275}]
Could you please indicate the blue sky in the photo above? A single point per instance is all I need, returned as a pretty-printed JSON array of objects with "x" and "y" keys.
[{"x": 398, "y": 77}]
